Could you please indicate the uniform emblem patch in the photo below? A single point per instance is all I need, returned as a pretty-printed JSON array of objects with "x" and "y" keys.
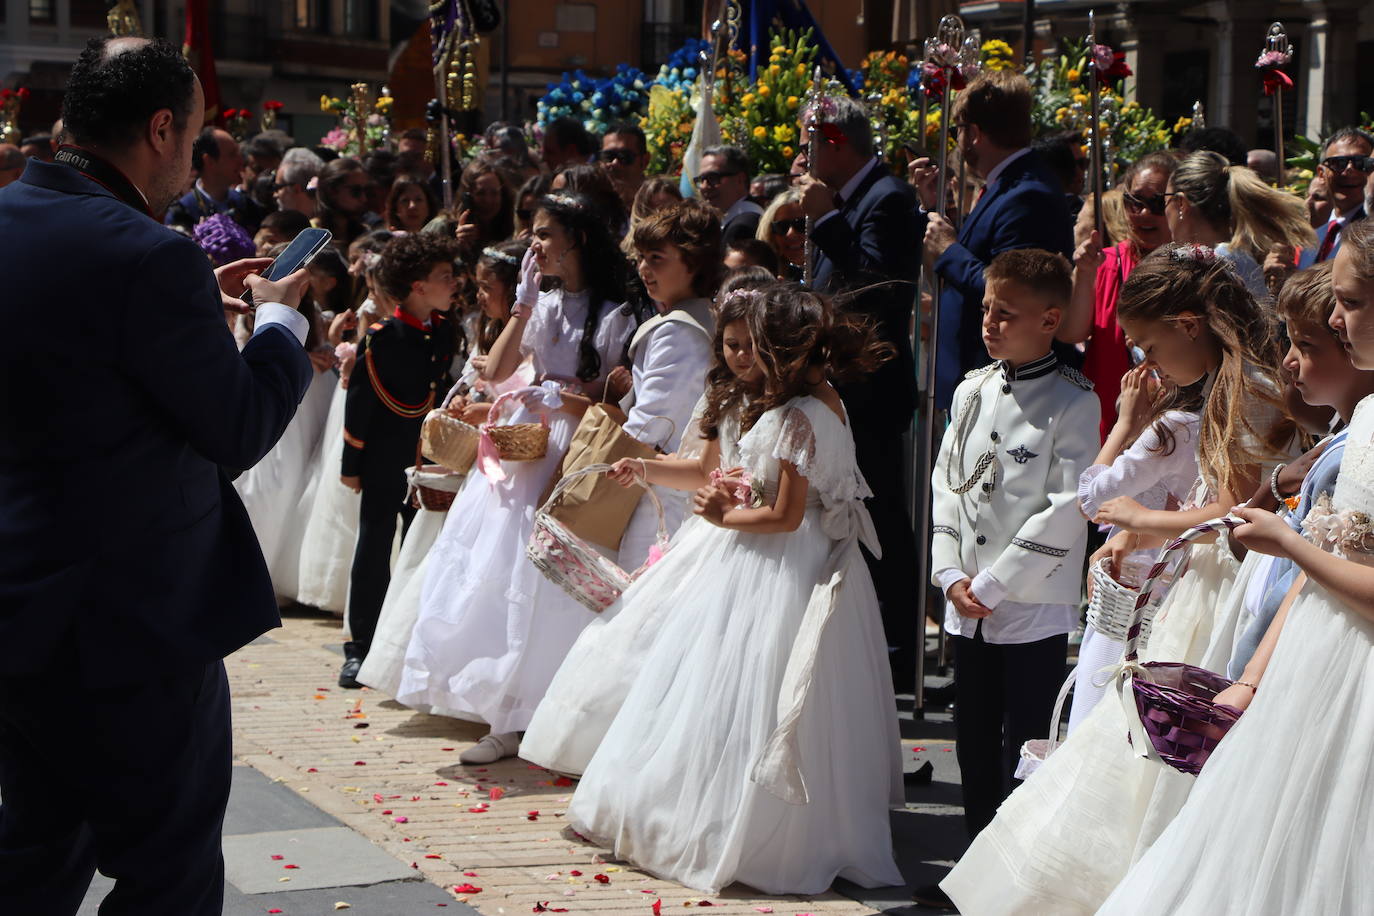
[{"x": 1022, "y": 454}]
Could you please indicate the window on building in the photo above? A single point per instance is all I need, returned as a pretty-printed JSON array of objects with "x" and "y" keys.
[
  {"x": 42, "y": 11},
  {"x": 312, "y": 15},
  {"x": 667, "y": 25},
  {"x": 360, "y": 18}
]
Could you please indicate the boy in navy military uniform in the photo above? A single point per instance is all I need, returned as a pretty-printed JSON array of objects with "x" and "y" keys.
[
  {"x": 1008, "y": 542},
  {"x": 401, "y": 371}
]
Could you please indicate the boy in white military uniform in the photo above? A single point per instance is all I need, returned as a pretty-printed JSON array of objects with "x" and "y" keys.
[{"x": 1008, "y": 541}]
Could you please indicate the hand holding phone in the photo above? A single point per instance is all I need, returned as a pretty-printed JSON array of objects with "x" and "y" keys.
[
  {"x": 295, "y": 258},
  {"x": 287, "y": 291}
]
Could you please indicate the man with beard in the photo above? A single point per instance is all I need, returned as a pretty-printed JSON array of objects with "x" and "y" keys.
[
  {"x": 1022, "y": 206},
  {"x": 128, "y": 566}
]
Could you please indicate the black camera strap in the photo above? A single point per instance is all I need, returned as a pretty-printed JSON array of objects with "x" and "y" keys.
[{"x": 103, "y": 174}]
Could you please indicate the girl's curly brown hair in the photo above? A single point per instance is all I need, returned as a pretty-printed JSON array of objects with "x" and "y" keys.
[
  {"x": 724, "y": 390},
  {"x": 799, "y": 334}
]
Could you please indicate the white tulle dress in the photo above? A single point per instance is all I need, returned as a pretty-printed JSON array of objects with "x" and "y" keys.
[
  {"x": 331, "y": 528},
  {"x": 1279, "y": 821},
  {"x": 276, "y": 490},
  {"x": 690, "y": 780},
  {"x": 492, "y": 630},
  {"x": 592, "y": 682},
  {"x": 401, "y": 607}
]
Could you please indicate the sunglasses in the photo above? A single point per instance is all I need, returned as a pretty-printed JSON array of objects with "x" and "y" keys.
[
  {"x": 623, "y": 156},
  {"x": 1339, "y": 164},
  {"x": 784, "y": 226},
  {"x": 1140, "y": 204},
  {"x": 714, "y": 177}
]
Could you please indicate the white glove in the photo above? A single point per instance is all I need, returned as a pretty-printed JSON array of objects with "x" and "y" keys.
[{"x": 527, "y": 289}]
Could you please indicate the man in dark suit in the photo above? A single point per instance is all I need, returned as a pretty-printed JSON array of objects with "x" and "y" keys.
[
  {"x": 1022, "y": 206},
  {"x": 218, "y": 162},
  {"x": 864, "y": 231},
  {"x": 724, "y": 184},
  {"x": 128, "y": 566}
]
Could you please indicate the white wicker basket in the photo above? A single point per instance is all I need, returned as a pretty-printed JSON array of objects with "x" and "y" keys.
[
  {"x": 575, "y": 565},
  {"x": 1112, "y": 607}
]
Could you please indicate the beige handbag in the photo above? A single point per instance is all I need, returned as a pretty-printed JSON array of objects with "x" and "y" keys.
[{"x": 594, "y": 507}]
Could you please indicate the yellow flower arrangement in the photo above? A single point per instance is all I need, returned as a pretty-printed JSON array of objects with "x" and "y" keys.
[
  {"x": 763, "y": 90},
  {"x": 760, "y": 132}
]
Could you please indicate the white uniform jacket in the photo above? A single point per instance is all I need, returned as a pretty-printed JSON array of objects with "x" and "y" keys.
[
  {"x": 1005, "y": 485},
  {"x": 670, "y": 356}
]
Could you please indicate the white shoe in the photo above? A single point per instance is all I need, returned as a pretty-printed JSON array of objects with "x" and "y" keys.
[{"x": 492, "y": 748}]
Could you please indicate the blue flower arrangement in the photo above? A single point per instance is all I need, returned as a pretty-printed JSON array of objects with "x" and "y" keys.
[
  {"x": 598, "y": 103},
  {"x": 683, "y": 65}
]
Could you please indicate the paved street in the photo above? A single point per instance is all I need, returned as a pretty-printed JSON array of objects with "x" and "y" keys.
[{"x": 367, "y": 800}]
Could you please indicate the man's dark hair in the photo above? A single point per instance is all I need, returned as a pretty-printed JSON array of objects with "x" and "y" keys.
[
  {"x": 380, "y": 165},
  {"x": 1217, "y": 139},
  {"x": 568, "y": 131},
  {"x": 109, "y": 99},
  {"x": 759, "y": 252},
  {"x": 409, "y": 258},
  {"x": 289, "y": 223},
  {"x": 1348, "y": 133},
  {"x": 263, "y": 148},
  {"x": 205, "y": 144},
  {"x": 1060, "y": 151},
  {"x": 735, "y": 159},
  {"x": 626, "y": 129}
]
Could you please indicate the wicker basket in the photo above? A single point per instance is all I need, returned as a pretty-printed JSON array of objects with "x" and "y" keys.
[
  {"x": 1169, "y": 706},
  {"x": 432, "y": 487},
  {"x": 575, "y": 565},
  {"x": 1112, "y": 606},
  {"x": 520, "y": 441},
  {"x": 449, "y": 441},
  {"x": 515, "y": 441}
]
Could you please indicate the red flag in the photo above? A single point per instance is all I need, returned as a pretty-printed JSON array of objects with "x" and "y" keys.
[{"x": 201, "y": 56}]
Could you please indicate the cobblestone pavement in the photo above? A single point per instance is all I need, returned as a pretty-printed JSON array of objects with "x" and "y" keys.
[{"x": 493, "y": 836}]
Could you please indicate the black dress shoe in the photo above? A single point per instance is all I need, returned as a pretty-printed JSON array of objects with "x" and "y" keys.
[
  {"x": 931, "y": 896},
  {"x": 348, "y": 674}
]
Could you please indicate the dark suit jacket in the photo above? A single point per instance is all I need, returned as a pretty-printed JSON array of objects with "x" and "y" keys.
[
  {"x": 1308, "y": 256},
  {"x": 1024, "y": 208},
  {"x": 743, "y": 226},
  {"x": 876, "y": 237},
  {"x": 124, "y": 550}
]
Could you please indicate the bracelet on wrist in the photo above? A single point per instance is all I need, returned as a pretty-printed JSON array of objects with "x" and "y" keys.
[
  {"x": 1274, "y": 484},
  {"x": 1252, "y": 687}
]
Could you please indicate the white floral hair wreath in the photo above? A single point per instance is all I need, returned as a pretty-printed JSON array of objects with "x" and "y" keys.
[
  {"x": 501, "y": 256},
  {"x": 746, "y": 294},
  {"x": 566, "y": 200},
  {"x": 371, "y": 260}
]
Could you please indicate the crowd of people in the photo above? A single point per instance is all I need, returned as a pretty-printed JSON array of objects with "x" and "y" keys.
[{"x": 1106, "y": 382}]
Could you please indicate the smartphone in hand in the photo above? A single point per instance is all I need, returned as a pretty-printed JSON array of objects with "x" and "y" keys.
[{"x": 298, "y": 254}]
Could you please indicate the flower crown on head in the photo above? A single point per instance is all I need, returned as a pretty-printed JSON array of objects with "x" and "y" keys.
[
  {"x": 501, "y": 256},
  {"x": 1202, "y": 254},
  {"x": 371, "y": 260},
  {"x": 566, "y": 200},
  {"x": 748, "y": 295}
]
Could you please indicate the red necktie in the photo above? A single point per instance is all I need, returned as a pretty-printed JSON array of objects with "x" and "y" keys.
[{"x": 1333, "y": 229}]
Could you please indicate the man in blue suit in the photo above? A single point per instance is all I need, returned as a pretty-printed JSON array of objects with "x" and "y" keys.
[
  {"x": 1022, "y": 206},
  {"x": 1346, "y": 164},
  {"x": 128, "y": 567},
  {"x": 864, "y": 230}
]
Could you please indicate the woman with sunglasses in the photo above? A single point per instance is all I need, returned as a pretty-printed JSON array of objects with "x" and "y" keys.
[
  {"x": 1099, "y": 274},
  {"x": 783, "y": 227},
  {"x": 342, "y": 201}
]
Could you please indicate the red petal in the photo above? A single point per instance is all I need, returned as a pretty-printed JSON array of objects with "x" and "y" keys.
[
  {"x": 562, "y": 781},
  {"x": 467, "y": 889},
  {"x": 601, "y": 879},
  {"x": 290, "y": 866},
  {"x": 575, "y": 874},
  {"x": 496, "y": 793},
  {"x": 278, "y": 858},
  {"x": 360, "y": 763},
  {"x": 658, "y": 908},
  {"x": 469, "y": 874}
]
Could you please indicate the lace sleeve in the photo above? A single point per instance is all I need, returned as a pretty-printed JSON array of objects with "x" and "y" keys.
[{"x": 826, "y": 461}]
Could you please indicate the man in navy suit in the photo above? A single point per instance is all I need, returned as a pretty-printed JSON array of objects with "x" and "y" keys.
[
  {"x": 128, "y": 566},
  {"x": 864, "y": 229},
  {"x": 1022, "y": 206},
  {"x": 1346, "y": 164}
]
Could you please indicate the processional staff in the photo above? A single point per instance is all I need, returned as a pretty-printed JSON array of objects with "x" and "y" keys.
[{"x": 1277, "y": 52}]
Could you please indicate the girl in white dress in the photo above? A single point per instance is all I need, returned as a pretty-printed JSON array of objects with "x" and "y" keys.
[
  {"x": 1064, "y": 838},
  {"x": 759, "y": 741},
  {"x": 587, "y": 691},
  {"x": 1148, "y": 456},
  {"x": 1279, "y": 821},
  {"x": 492, "y": 630},
  {"x": 497, "y": 273}
]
